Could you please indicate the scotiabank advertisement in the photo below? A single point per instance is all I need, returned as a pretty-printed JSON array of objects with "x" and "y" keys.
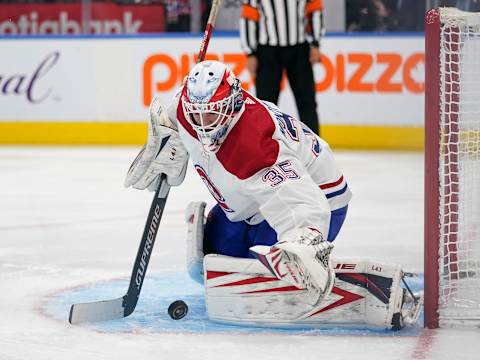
[
  {"x": 361, "y": 80},
  {"x": 58, "y": 18}
]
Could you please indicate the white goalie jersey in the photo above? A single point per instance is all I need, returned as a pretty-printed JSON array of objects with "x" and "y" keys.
[{"x": 270, "y": 166}]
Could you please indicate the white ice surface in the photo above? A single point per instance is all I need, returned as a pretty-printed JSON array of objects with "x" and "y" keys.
[{"x": 66, "y": 220}]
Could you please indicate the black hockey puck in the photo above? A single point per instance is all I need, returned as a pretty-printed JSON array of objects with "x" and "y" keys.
[{"x": 177, "y": 310}]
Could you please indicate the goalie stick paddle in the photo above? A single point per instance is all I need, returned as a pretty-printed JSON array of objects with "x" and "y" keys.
[{"x": 123, "y": 306}]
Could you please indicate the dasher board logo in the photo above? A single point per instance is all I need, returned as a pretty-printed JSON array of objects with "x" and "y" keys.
[
  {"x": 374, "y": 72},
  {"x": 32, "y": 83},
  {"x": 63, "y": 19}
]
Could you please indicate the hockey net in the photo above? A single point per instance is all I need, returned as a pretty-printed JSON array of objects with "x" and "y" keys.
[{"x": 452, "y": 168}]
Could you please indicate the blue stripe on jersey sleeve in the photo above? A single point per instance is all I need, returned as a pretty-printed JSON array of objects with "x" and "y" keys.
[{"x": 338, "y": 192}]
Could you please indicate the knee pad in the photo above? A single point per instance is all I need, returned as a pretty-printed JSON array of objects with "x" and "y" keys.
[{"x": 195, "y": 219}]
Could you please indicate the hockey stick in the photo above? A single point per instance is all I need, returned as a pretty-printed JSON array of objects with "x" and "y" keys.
[
  {"x": 123, "y": 306},
  {"x": 208, "y": 29}
]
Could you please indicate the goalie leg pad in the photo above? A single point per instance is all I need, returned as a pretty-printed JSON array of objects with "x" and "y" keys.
[
  {"x": 195, "y": 219},
  {"x": 242, "y": 291},
  {"x": 383, "y": 295}
]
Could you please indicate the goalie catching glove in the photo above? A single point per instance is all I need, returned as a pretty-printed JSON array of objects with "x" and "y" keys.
[
  {"x": 301, "y": 257},
  {"x": 164, "y": 153}
]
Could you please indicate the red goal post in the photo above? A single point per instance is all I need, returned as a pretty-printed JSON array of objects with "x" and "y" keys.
[{"x": 452, "y": 168}]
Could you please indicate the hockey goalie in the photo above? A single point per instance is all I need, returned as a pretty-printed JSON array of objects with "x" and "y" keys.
[{"x": 263, "y": 251}]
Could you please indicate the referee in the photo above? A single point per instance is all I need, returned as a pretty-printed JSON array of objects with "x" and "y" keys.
[{"x": 284, "y": 34}]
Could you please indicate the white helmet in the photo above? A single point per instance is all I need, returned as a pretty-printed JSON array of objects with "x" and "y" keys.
[{"x": 211, "y": 88}]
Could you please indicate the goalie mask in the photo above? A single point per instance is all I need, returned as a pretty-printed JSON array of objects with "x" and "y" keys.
[{"x": 211, "y": 97}]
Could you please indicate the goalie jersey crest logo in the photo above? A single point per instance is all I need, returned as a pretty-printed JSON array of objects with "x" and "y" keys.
[{"x": 213, "y": 189}]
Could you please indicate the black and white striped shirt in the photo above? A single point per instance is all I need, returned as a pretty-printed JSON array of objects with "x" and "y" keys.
[{"x": 280, "y": 23}]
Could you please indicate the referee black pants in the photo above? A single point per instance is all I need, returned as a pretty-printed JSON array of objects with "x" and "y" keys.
[{"x": 295, "y": 60}]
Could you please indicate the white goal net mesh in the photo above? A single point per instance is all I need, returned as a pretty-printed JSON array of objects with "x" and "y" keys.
[{"x": 459, "y": 170}]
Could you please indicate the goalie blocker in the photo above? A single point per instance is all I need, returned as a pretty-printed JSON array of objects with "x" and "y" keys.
[{"x": 243, "y": 291}]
